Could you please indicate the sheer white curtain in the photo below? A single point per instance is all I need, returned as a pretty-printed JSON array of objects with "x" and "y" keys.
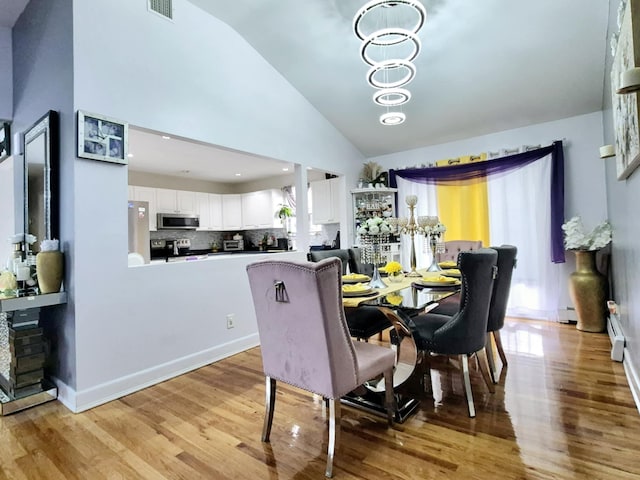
[
  {"x": 519, "y": 211},
  {"x": 519, "y": 214}
]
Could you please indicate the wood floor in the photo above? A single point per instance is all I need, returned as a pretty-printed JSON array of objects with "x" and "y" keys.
[{"x": 563, "y": 410}]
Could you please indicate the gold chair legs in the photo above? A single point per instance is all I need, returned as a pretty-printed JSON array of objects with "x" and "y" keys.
[
  {"x": 493, "y": 370},
  {"x": 498, "y": 340}
]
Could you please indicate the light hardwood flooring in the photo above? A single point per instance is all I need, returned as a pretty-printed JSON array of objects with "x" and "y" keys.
[{"x": 562, "y": 410}]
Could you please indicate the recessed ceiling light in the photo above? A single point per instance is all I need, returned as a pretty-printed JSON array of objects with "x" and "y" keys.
[
  {"x": 166, "y": 137},
  {"x": 285, "y": 169},
  {"x": 238, "y": 174},
  {"x": 130, "y": 155},
  {"x": 309, "y": 168}
]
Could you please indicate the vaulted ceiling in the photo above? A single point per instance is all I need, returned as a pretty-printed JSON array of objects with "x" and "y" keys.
[{"x": 485, "y": 66}]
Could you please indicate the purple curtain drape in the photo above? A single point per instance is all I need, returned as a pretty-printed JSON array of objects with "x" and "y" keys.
[{"x": 458, "y": 174}]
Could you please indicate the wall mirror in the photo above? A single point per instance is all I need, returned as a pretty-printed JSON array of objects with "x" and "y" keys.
[{"x": 41, "y": 145}]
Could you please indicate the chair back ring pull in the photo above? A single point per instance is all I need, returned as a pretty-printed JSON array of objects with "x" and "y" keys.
[{"x": 281, "y": 292}]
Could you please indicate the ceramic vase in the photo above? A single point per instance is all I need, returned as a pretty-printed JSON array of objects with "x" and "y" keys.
[
  {"x": 588, "y": 291},
  {"x": 49, "y": 266}
]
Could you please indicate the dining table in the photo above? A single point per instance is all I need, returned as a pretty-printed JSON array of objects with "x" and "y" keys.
[{"x": 399, "y": 300}]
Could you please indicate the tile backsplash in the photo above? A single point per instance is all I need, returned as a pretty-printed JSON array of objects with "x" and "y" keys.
[{"x": 202, "y": 240}]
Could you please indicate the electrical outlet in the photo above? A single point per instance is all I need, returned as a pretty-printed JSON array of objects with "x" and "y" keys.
[{"x": 231, "y": 320}]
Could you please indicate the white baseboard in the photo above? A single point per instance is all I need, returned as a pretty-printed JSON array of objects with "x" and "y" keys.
[
  {"x": 79, "y": 401},
  {"x": 632, "y": 378},
  {"x": 567, "y": 315}
]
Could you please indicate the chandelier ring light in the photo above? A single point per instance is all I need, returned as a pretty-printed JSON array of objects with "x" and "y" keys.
[
  {"x": 376, "y": 4},
  {"x": 391, "y": 97},
  {"x": 388, "y": 37},
  {"x": 392, "y": 118},
  {"x": 387, "y": 66}
]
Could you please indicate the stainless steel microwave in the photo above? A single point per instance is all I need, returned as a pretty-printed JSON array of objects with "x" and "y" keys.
[{"x": 178, "y": 221}]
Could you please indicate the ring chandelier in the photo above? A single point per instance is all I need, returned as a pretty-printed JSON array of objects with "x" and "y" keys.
[{"x": 388, "y": 31}]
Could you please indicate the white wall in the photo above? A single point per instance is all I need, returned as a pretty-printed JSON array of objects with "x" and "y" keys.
[
  {"x": 585, "y": 190},
  {"x": 6, "y": 75},
  {"x": 194, "y": 78}
]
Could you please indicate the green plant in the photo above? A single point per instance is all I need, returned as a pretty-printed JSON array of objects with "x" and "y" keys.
[{"x": 284, "y": 212}]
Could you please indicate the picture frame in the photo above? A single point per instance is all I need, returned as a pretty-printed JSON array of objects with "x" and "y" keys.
[
  {"x": 102, "y": 138},
  {"x": 5, "y": 140},
  {"x": 626, "y": 107}
]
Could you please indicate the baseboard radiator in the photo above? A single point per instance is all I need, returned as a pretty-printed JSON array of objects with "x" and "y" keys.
[{"x": 616, "y": 337}]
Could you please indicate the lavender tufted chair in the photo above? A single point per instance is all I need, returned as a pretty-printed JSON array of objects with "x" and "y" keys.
[
  {"x": 453, "y": 247},
  {"x": 305, "y": 341},
  {"x": 464, "y": 333}
]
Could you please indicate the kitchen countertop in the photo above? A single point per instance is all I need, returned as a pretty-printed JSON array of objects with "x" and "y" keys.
[{"x": 195, "y": 255}]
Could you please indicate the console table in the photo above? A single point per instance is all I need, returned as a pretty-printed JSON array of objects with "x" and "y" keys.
[{"x": 22, "y": 352}]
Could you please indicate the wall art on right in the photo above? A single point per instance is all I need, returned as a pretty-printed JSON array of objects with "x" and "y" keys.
[{"x": 626, "y": 106}]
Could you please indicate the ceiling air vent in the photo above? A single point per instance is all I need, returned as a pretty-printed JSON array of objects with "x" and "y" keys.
[{"x": 162, "y": 7}]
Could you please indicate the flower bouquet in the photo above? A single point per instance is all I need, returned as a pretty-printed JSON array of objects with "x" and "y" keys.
[
  {"x": 575, "y": 237},
  {"x": 375, "y": 226},
  {"x": 393, "y": 270}
]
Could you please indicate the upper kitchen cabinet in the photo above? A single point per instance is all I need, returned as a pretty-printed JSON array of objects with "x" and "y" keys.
[
  {"x": 175, "y": 201},
  {"x": 210, "y": 210},
  {"x": 325, "y": 201},
  {"x": 259, "y": 209},
  {"x": 146, "y": 194},
  {"x": 232, "y": 212}
]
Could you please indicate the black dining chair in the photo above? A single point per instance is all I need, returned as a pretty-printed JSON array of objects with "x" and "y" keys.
[
  {"x": 498, "y": 306},
  {"x": 342, "y": 254},
  {"x": 464, "y": 333},
  {"x": 364, "y": 321}
]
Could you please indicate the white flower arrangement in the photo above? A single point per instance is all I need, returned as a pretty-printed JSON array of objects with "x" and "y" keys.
[
  {"x": 576, "y": 239},
  {"x": 375, "y": 226},
  {"x": 49, "y": 245}
]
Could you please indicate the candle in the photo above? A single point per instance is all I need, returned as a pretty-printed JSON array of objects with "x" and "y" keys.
[
  {"x": 607, "y": 151},
  {"x": 23, "y": 272}
]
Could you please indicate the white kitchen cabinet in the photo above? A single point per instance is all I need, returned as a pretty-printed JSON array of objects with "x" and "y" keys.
[
  {"x": 146, "y": 194},
  {"x": 175, "y": 201},
  {"x": 209, "y": 208},
  {"x": 259, "y": 209},
  {"x": 325, "y": 201},
  {"x": 232, "y": 212}
]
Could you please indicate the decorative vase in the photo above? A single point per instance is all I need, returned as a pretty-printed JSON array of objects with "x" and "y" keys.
[
  {"x": 588, "y": 291},
  {"x": 395, "y": 277},
  {"x": 49, "y": 267}
]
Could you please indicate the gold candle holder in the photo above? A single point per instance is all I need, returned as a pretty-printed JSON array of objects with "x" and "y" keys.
[{"x": 410, "y": 227}]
